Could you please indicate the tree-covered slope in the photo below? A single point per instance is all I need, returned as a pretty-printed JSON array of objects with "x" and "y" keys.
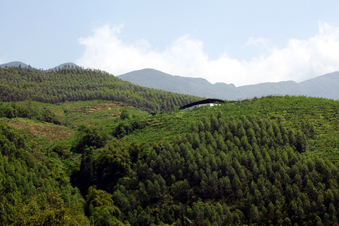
[
  {"x": 302, "y": 112},
  {"x": 18, "y": 84},
  {"x": 264, "y": 161},
  {"x": 247, "y": 170},
  {"x": 34, "y": 189},
  {"x": 252, "y": 162}
]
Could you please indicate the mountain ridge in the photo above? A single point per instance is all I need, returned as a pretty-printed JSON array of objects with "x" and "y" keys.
[
  {"x": 14, "y": 64},
  {"x": 21, "y": 64},
  {"x": 321, "y": 86}
]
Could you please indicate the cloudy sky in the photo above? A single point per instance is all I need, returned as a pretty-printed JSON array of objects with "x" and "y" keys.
[{"x": 239, "y": 42}]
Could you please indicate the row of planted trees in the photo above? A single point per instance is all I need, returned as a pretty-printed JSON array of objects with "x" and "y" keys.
[{"x": 19, "y": 84}]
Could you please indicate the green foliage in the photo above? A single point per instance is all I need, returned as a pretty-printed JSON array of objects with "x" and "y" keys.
[
  {"x": 91, "y": 137},
  {"x": 14, "y": 110},
  {"x": 100, "y": 208},
  {"x": 124, "y": 114},
  {"x": 267, "y": 161},
  {"x": 34, "y": 190},
  {"x": 47, "y": 116},
  {"x": 253, "y": 178},
  {"x": 127, "y": 127},
  {"x": 53, "y": 212},
  {"x": 112, "y": 164},
  {"x": 18, "y": 84}
]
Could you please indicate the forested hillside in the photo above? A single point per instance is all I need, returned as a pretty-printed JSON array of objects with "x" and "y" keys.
[
  {"x": 60, "y": 85},
  {"x": 264, "y": 161},
  {"x": 35, "y": 189}
]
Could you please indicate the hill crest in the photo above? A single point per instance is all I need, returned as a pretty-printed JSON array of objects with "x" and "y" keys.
[
  {"x": 23, "y": 65},
  {"x": 321, "y": 86}
]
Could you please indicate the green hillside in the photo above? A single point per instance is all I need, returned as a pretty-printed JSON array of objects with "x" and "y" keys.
[
  {"x": 264, "y": 161},
  {"x": 305, "y": 113},
  {"x": 60, "y": 85}
]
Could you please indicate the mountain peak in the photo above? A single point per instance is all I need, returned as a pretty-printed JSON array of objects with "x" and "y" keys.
[
  {"x": 23, "y": 65},
  {"x": 14, "y": 64},
  {"x": 322, "y": 86},
  {"x": 67, "y": 65}
]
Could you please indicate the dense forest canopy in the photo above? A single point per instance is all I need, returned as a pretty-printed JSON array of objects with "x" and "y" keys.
[
  {"x": 60, "y": 85},
  {"x": 103, "y": 160}
]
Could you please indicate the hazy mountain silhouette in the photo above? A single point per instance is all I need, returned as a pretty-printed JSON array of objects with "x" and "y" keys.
[
  {"x": 67, "y": 65},
  {"x": 14, "y": 64},
  {"x": 322, "y": 86},
  {"x": 20, "y": 64}
]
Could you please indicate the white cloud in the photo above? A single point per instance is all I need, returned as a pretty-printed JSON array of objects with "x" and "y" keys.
[{"x": 298, "y": 60}]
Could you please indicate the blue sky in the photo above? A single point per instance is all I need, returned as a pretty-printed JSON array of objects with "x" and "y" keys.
[{"x": 239, "y": 42}]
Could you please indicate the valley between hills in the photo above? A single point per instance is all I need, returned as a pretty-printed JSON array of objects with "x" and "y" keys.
[{"x": 83, "y": 147}]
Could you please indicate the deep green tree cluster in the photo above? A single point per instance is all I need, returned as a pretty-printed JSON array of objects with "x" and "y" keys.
[
  {"x": 12, "y": 110},
  {"x": 33, "y": 190},
  {"x": 246, "y": 170},
  {"x": 93, "y": 137},
  {"x": 19, "y": 84},
  {"x": 125, "y": 128}
]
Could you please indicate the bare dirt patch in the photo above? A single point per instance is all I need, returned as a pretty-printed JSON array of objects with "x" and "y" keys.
[{"x": 49, "y": 132}]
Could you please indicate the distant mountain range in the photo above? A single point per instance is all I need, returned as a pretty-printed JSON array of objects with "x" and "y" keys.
[
  {"x": 20, "y": 64},
  {"x": 326, "y": 86},
  {"x": 67, "y": 65},
  {"x": 14, "y": 64}
]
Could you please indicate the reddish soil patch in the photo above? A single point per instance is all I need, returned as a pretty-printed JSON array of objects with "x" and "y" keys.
[{"x": 51, "y": 133}]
